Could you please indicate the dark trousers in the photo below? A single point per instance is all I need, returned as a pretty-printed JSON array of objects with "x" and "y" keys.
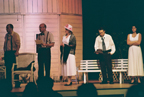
[
  {"x": 10, "y": 58},
  {"x": 106, "y": 66},
  {"x": 44, "y": 59}
]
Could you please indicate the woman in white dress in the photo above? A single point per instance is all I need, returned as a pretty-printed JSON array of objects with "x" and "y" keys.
[
  {"x": 135, "y": 62},
  {"x": 69, "y": 63}
]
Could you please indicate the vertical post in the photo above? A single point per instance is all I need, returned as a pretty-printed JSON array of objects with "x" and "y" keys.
[
  {"x": 5, "y": 71},
  {"x": 84, "y": 77},
  {"x": 120, "y": 77}
]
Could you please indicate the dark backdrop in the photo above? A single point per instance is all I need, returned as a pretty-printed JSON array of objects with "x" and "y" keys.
[{"x": 116, "y": 16}]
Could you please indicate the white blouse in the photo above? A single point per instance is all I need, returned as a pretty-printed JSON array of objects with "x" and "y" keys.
[{"x": 66, "y": 40}]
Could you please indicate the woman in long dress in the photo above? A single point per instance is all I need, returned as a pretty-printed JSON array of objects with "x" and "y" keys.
[
  {"x": 69, "y": 63},
  {"x": 135, "y": 62}
]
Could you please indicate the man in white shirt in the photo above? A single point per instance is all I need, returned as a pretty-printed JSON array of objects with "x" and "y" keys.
[{"x": 105, "y": 47}]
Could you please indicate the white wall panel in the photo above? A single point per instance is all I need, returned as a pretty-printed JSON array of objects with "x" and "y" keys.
[
  {"x": 29, "y": 6},
  {"x": 1, "y": 6},
  {"x": 35, "y": 6},
  {"x": 49, "y": 6},
  {"x": 17, "y": 6},
  {"x": 45, "y": 6},
  {"x": 40, "y": 4},
  {"x": 11, "y": 6},
  {"x": 6, "y": 6},
  {"x": 55, "y": 6},
  {"x": 71, "y": 7}
]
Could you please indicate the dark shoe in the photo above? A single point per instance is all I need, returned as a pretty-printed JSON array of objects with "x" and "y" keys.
[
  {"x": 111, "y": 83},
  {"x": 68, "y": 84},
  {"x": 103, "y": 82},
  {"x": 131, "y": 83}
]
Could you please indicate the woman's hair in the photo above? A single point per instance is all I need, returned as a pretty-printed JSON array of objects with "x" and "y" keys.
[
  {"x": 70, "y": 31},
  {"x": 136, "y": 29}
]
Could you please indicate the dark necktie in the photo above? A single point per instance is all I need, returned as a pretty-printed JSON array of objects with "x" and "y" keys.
[{"x": 103, "y": 44}]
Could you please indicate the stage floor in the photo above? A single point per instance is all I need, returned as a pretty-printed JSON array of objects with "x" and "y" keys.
[{"x": 70, "y": 91}]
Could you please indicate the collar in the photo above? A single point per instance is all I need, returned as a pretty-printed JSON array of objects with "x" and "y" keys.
[
  {"x": 103, "y": 36},
  {"x": 43, "y": 33},
  {"x": 11, "y": 33}
]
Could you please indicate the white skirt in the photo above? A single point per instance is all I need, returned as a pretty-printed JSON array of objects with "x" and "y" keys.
[
  {"x": 135, "y": 61},
  {"x": 69, "y": 69}
]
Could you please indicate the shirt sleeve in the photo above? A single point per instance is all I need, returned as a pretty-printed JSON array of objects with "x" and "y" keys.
[
  {"x": 112, "y": 46},
  {"x": 51, "y": 37},
  {"x": 17, "y": 39},
  {"x": 96, "y": 46}
]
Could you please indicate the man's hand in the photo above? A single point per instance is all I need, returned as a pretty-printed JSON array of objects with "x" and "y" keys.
[
  {"x": 16, "y": 53},
  {"x": 1, "y": 58},
  {"x": 62, "y": 44},
  {"x": 97, "y": 53},
  {"x": 43, "y": 44},
  {"x": 109, "y": 53}
]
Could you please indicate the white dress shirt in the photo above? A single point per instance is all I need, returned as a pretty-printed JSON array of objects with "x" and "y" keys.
[{"x": 108, "y": 43}]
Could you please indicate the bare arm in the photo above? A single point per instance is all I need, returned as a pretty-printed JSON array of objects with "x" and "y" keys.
[
  {"x": 139, "y": 40},
  {"x": 133, "y": 42},
  {"x": 128, "y": 41},
  {"x": 113, "y": 49}
]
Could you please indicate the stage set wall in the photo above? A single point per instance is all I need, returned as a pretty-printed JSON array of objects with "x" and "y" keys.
[{"x": 27, "y": 15}]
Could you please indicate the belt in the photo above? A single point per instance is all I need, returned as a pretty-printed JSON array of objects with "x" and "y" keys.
[{"x": 107, "y": 51}]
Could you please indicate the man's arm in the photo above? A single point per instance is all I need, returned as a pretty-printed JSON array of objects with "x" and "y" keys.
[
  {"x": 17, "y": 50},
  {"x": 17, "y": 41},
  {"x": 96, "y": 45},
  {"x": 112, "y": 46}
]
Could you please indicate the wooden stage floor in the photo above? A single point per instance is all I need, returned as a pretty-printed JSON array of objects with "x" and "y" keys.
[{"x": 116, "y": 89}]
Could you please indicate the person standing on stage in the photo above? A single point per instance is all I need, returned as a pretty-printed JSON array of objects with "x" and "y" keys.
[
  {"x": 11, "y": 50},
  {"x": 44, "y": 50},
  {"x": 69, "y": 46},
  {"x": 105, "y": 47},
  {"x": 135, "y": 61}
]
